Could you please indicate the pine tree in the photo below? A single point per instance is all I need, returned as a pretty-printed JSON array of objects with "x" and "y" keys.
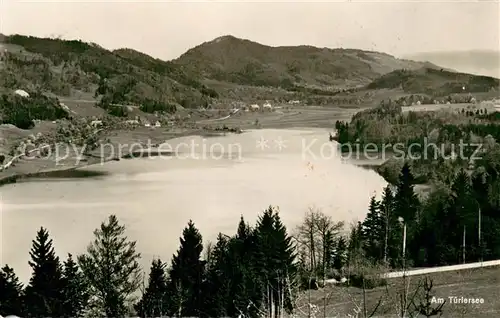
[
  {"x": 44, "y": 294},
  {"x": 152, "y": 303},
  {"x": 328, "y": 252},
  {"x": 75, "y": 290},
  {"x": 186, "y": 275},
  {"x": 462, "y": 214},
  {"x": 217, "y": 286},
  {"x": 277, "y": 261},
  {"x": 391, "y": 228},
  {"x": 245, "y": 285},
  {"x": 407, "y": 206},
  {"x": 386, "y": 215},
  {"x": 405, "y": 200},
  {"x": 355, "y": 246},
  {"x": 340, "y": 254},
  {"x": 10, "y": 292},
  {"x": 374, "y": 231},
  {"x": 111, "y": 267}
]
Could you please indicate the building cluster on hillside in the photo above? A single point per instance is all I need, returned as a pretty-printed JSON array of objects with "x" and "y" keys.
[
  {"x": 256, "y": 107},
  {"x": 138, "y": 121}
]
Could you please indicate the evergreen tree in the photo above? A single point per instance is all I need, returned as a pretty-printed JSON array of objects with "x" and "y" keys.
[
  {"x": 462, "y": 214},
  {"x": 152, "y": 303},
  {"x": 245, "y": 284},
  {"x": 355, "y": 246},
  {"x": 186, "y": 275},
  {"x": 44, "y": 294},
  {"x": 217, "y": 286},
  {"x": 406, "y": 202},
  {"x": 10, "y": 292},
  {"x": 407, "y": 205},
  {"x": 433, "y": 238},
  {"x": 75, "y": 290},
  {"x": 328, "y": 252},
  {"x": 340, "y": 254},
  {"x": 276, "y": 261},
  {"x": 111, "y": 267},
  {"x": 374, "y": 231},
  {"x": 392, "y": 248}
]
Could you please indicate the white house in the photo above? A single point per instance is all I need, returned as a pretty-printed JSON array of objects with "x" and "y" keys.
[
  {"x": 21, "y": 93},
  {"x": 254, "y": 107},
  {"x": 267, "y": 106},
  {"x": 157, "y": 124},
  {"x": 63, "y": 106},
  {"x": 132, "y": 122},
  {"x": 147, "y": 124},
  {"x": 96, "y": 123}
]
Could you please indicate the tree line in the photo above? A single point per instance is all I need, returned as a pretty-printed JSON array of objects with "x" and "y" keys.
[
  {"x": 249, "y": 273},
  {"x": 260, "y": 270}
]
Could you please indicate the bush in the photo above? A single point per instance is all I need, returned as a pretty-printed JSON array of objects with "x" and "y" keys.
[{"x": 369, "y": 281}]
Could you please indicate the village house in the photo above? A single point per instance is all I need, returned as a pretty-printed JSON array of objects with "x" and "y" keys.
[
  {"x": 96, "y": 123},
  {"x": 254, "y": 107},
  {"x": 267, "y": 107},
  {"x": 21, "y": 93},
  {"x": 132, "y": 122}
]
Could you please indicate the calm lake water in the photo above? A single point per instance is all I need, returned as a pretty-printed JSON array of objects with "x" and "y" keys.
[{"x": 213, "y": 183}]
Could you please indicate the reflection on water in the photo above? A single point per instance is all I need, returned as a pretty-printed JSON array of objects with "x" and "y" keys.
[
  {"x": 64, "y": 174},
  {"x": 155, "y": 197}
]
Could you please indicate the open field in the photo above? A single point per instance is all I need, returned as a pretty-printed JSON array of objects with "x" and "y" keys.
[
  {"x": 450, "y": 107},
  {"x": 475, "y": 283},
  {"x": 296, "y": 117}
]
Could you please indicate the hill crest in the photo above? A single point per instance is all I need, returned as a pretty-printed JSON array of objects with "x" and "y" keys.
[{"x": 231, "y": 59}]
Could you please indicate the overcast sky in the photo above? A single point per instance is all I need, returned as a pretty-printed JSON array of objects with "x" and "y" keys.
[{"x": 167, "y": 29}]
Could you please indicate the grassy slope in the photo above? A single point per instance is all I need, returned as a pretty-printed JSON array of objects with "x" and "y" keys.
[{"x": 477, "y": 283}]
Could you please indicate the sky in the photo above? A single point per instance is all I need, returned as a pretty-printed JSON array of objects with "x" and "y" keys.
[{"x": 166, "y": 29}]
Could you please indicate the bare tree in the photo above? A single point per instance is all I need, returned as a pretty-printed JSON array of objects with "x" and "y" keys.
[
  {"x": 307, "y": 236},
  {"x": 327, "y": 230},
  {"x": 207, "y": 253},
  {"x": 425, "y": 306},
  {"x": 314, "y": 236}
]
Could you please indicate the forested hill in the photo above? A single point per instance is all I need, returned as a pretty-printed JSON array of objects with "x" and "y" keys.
[
  {"x": 122, "y": 76},
  {"x": 435, "y": 82},
  {"x": 221, "y": 70},
  {"x": 230, "y": 59}
]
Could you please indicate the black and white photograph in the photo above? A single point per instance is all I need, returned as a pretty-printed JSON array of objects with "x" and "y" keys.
[{"x": 249, "y": 158}]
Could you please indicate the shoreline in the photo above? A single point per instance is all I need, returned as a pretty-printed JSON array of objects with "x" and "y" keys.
[
  {"x": 11, "y": 177},
  {"x": 7, "y": 176}
]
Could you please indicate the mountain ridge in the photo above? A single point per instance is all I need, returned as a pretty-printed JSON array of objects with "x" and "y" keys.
[
  {"x": 480, "y": 62},
  {"x": 242, "y": 61},
  {"x": 219, "y": 71}
]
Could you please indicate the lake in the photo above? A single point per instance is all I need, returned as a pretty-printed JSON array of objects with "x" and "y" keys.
[{"x": 212, "y": 181}]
